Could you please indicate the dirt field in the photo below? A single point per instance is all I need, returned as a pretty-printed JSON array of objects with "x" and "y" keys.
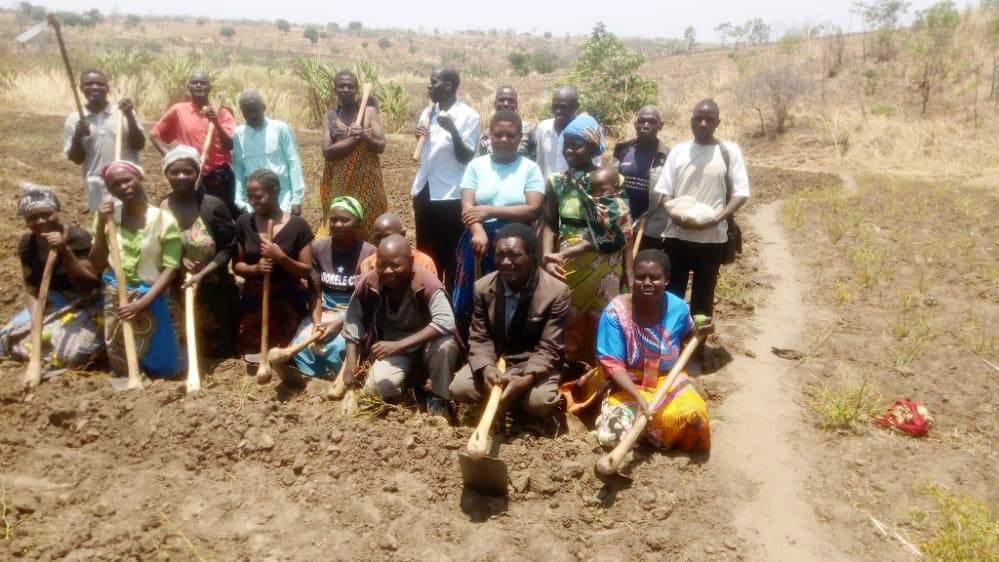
[{"x": 244, "y": 472}]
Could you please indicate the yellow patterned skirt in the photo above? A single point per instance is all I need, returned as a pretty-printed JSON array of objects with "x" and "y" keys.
[
  {"x": 359, "y": 175},
  {"x": 680, "y": 421}
]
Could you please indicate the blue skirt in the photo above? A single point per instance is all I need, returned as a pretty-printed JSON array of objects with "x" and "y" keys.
[
  {"x": 463, "y": 295},
  {"x": 325, "y": 361},
  {"x": 155, "y": 329}
]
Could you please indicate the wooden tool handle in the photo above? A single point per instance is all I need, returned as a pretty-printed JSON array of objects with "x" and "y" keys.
[
  {"x": 365, "y": 94},
  {"x": 608, "y": 463},
  {"x": 193, "y": 371},
  {"x": 639, "y": 233},
  {"x": 131, "y": 356},
  {"x": 54, "y": 22},
  {"x": 282, "y": 354},
  {"x": 265, "y": 305},
  {"x": 423, "y": 138},
  {"x": 479, "y": 441},
  {"x": 338, "y": 389},
  {"x": 33, "y": 375}
]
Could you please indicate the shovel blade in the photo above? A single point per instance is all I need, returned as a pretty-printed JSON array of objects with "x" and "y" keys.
[
  {"x": 32, "y": 31},
  {"x": 487, "y": 476}
]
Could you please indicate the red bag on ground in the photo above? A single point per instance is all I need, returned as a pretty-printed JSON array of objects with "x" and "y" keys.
[{"x": 908, "y": 417}]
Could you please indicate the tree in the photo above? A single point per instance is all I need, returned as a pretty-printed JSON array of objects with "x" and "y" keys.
[
  {"x": 776, "y": 86},
  {"x": 881, "y": 16},
  {"x": 548, "y": 35},
  {"x": 933, "y": 44},
  {"x": 606, "y": 74},
  {"x": 227, "y": 32},
  {"x": 283, "y": 26},
  {"x": 311, "y": 34},
  {"x": 724, "y": 31},
  {"x": 690, "y": 34},
  {"x": 95, "y": 15},
  {"x": 355, "y": 26},
  {"x": 384, "y": 43},
  {"x": 757, "y": 32},
  {"x": 992, "y": 37},
  {"x": 132, "y": 20},
  {"x": 333, "y": 27}
]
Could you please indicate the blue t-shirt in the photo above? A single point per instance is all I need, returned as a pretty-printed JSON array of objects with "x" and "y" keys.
[{"x": 502, "y": 184}]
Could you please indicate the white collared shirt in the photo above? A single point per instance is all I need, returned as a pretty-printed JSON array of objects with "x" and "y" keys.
[{"x": 438, "y": 164}]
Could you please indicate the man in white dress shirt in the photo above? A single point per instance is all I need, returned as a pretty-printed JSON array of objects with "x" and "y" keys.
[{"x": 452, "y": 131}]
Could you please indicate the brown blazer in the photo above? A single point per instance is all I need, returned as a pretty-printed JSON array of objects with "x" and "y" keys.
[{"x": 537, "y": 331}]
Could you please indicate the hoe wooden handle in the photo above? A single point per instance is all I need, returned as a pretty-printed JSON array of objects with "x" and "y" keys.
[
  {"x": 131, "y": 357},
  {"x": 423, "y": 138},
  {"x": 33, "y": 376},
  {"x": 264, "y": 371},
  {"x": 193, "y": 370},
  {"x": 281, "y": 355},
  {"x": 609, "y": 463},
  {"x": 479, "y": 441},
  {"x": 365, "y": 94}
]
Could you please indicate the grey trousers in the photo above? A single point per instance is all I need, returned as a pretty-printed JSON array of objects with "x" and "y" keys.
[
  {"x": 387, "y": 377},
  {"x": 540, "y": 401}
]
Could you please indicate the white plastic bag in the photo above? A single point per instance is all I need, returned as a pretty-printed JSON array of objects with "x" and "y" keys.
[{"x": 691, "y": 209}]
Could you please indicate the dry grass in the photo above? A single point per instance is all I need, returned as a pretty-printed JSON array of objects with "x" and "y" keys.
[
  {"x": 846, "y": 402},
  {"x": 960, "y": 528}
]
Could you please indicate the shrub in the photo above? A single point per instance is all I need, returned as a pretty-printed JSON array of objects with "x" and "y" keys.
[
  {"x": 318, "y": 78},
  {"x": 355, "y": 26},
  {"x": 882, "y": 109},
  {"x": 606, "y": 73},
  {"x": 520, "y": 62},
  {"x": 544, "y": 61},
  {"x": 132, "y": 21},
  {"x": 283, "y": 26},
  {"x": 777, "y": 86},
  {"x": 227, "y": 32},
  {"x": 333, "y": 27},
  {"x": 201, "y": 21},
  {"x": 393, "y": 104},
  {"x": 312, "y": 35},
  {"x": 384, "y": 43}
]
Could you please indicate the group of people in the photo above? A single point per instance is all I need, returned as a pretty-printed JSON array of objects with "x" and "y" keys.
[{"x": 526, "y": 250}]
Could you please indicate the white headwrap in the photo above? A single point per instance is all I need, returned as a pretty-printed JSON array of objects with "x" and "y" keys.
[
  {"x": 36, "y": 197},
  {"x": 182, "y": 152}
]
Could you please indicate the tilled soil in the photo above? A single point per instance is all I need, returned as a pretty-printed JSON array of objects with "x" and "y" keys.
[{"x": 251, "y": 472}]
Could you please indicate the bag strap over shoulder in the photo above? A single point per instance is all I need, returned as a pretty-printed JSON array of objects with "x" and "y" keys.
[{"x": 728, "y": 180}]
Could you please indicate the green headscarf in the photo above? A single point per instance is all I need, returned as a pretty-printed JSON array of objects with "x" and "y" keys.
[{"x": 349, "y": 204}]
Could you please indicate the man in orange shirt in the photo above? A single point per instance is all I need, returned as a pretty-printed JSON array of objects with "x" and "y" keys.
[
  {"x": 385, "y": 225},
  {"x": 187, "y": 123}
]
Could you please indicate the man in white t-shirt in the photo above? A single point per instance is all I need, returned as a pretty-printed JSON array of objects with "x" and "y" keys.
[
  {"x": 548, "y": 135},
  {"x": 698, "y": 169},
  {"x": 452, "y": 131}
]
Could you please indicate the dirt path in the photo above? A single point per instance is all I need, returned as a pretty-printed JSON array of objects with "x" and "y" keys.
[{"x": 763, "y": 439}]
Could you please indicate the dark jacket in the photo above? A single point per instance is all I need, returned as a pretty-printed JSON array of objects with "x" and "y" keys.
[
  {"x": 537, "y": 331},
  {"x": 367, "y": 291},
  {"x": 656, "y": 218}
]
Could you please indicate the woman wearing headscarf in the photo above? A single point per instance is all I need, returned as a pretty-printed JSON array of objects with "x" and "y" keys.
[
  {"x": 151, "y": 248},
  {"x": 336, "y": 263},
  {"x": 209, "y": 237},
  {"x": 584, "y": 234},
  {"x": 287, "y": 257},
  {"x": 351, "y": 153},
  {"x": 71, "y": 333}
]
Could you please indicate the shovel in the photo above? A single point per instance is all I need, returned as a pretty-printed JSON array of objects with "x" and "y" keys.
[{"x": 483, "y": 474}]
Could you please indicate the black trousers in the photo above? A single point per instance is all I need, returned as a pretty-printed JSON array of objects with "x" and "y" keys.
[
  {"x": 438, "y": 229},
  {"x": 221, "y": 182},
  {"x": 703, "y": 260}
]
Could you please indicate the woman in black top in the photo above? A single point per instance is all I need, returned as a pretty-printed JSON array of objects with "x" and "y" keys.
[
  {"x": 209, "y": 236},
  {"x": 70, "y": 334},
  {"x": 288, "y": 258}
]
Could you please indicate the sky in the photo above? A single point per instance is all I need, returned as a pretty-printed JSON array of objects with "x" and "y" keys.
[{"x": 634, "y": 18}]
